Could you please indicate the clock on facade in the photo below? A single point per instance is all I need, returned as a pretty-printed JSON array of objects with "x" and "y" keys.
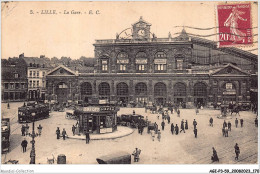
[{"x": 141, "y": 33}]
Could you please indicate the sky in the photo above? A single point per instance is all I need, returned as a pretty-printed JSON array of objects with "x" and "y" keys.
[{"x": 73, "y": 35}]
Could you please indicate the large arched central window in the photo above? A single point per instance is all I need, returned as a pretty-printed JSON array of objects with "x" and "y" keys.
[
  {"x": 104, "y": 88},
  {"x": 141, "y": 61},
  {"x": 200, "y": 89},
  {"x": 160, "y": 89},
  {"x": 179, "y": 89},
  {"x": 122, "y": 89},
  {"x": 86, "y": 88},
  {"x": 140, "y": 89},
  {"x": 160, "y": 62},
  {"x": 122, "y": 61}
]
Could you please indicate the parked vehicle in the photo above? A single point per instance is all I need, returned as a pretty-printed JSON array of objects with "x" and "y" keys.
[
  {"x": 150, "y": 126},
  {"x": 115, "y": 158},
  {"x": 32, "y": 112},
  {"x": 131, "y": 120},
  {"x": 5, "y": 130}
]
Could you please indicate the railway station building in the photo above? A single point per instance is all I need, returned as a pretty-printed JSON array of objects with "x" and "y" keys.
[{"x": 137, "y": 66}]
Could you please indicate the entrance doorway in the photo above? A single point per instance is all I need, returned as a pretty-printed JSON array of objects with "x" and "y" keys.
[{"x": 160, "y": 101}]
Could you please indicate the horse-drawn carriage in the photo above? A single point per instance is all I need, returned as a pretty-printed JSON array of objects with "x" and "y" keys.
[
  {"x": 115, "y": 158},
  {"x": 150, "y": 126},
  {"x": 70, "y": 115}
]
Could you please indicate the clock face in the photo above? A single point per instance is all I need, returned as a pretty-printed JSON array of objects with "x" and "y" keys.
[{"x": 141, "y": 33}]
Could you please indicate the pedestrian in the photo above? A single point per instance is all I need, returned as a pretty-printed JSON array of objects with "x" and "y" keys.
[
  {"x": 226, "y": 132},
  {"x": 58, "y": 133},
  {"x": 136, "y": 154},
  {"x": 73, "y": 129},
  {"x": 237, "y": 151},
  {"x": 27, "y": 129},
  {"x": 236, "y": 122},
  {"x": 39, "y": 129},
  {"x": 8, "y": 105},
  {"x": 223, "y": 131},
  {"x": 24, "y": 145},
  {"x": 211, "y": 121},
  {"x": 194, "y": 124},
  {"x": 178, "y": 112},
  {"x": 256, "y": 122},
  {"x": 87, "y": 137},
  {"x": 163, "y": 124},
  {"x": 195, "y": 132},
  {"x": 158, "y": 117},
  {"x": 169, "y": 119},
  {"x": 133, "y": 112},
  {"x": 186, "y": 124},
  {"x": 152, "y": 134},
  {"x": 142, "y": 129},
  {"x": 196, "y": 110},
  {"x": 171, "y": 109},
  {"x": 229, "y": 126},
  {"x": 172, "y": 128},
  {"x": 64, "y": 133},
  {"x": 182, "y": 126},
  {"x": 214, "y": 157},
  {"x": 159, "y": 136},
  {"x": 224, "y": 124},
  {"x": 23, "y": 130},
  {"x": 241, "y": 122},
  {"x": 176, "y": 129}
]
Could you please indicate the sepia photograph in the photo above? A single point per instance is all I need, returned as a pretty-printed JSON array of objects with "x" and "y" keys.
[{"x": 119, "y": 82}]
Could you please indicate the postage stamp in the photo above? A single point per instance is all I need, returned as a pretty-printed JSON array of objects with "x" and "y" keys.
[{"x": 234, "y": 24}]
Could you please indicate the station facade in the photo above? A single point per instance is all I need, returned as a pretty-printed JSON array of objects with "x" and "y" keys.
[{"x": 139, "y": 67}]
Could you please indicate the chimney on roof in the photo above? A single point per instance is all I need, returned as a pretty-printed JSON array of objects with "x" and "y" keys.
[
  {"x": 42, "y": 56},
  {"x": 21, "y": 55}
]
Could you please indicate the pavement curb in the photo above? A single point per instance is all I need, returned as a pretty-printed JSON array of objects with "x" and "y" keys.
[{"x": 108, "y": 138}]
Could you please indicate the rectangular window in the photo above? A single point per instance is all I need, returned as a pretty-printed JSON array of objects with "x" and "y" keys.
[
  {"x": 122, "y": 67},
  {"x": 16, "y": 75},
  {"x": 160, "y": 67},
  {"x": 104, "y": 65},
  {"x": 12, "y": 86},
  {"x": 37, "y": 73},
  {"x": 33, "y": 73},
  {"x": 30, "y": 73},
  {"x": 30, "y": 84},
  {"x": 141, "y": 67},
  {"x": 6, "y": 85},
  {"x": 37, "y": 83},
  {"x": 43, "y": 74},
  {"x": 17, "y": 86},
  {"x": 179, "y": 64},
  {"x": 33, "y": 84},
  {"x": 22, "y": 85}
]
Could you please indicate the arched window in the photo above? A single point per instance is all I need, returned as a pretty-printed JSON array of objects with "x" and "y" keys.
[
  {"x": 179, "y": 89},
  {"x": 122, "y": 61},
  {"x": 86, "y": 88},
  {"x": 141, "y": 61},
  {"x": 104, "y": 88},
  {"x": 160, "y": 89},
  {"x": 122, "y": 89},
  {"x": 160, "y": 62},
  {"x": 140, "y": 89},
  {"x": 200, "y": 89}
]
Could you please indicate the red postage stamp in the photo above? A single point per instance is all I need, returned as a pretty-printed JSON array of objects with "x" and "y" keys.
[{"x": 234, "y": 24}]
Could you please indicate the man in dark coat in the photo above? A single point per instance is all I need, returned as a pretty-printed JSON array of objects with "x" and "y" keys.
[
  {"x": 87, "y": 137},
  {"x": 211, "y": 121},
  {"x": 241, "y": 122},
  {"x": 237, "y": 151},
  {"x": 176, "y": 129},
  {"x": 214, "y": 157},
  {"x": 58, "y": 133},
  {"x": 24, "y": 145},
  {"x": 236, "y": 122},
  {"x": 162, "y": 124},
  {"x": 223, "y": 131},
  {"x": 23, "y": 130},
  {"x": 73, "y": 129},
  {"x": 182, "y": 126},
  {"x": 224, "y": 124},
  {"x": 256, "y": 122},
  {"x": 172, "y": 128},
  {"x": 64, "y": 133},
  {"x": 194, "y": 124},
  {"x": 156, "y": 127},
  {"x": 186, "y": 124},
  {"x": 195, "y": 132},
  {"x": 169, "y": 119},
  {"x": 178, "y": 112},
  {"x": 229, "y": 126}
]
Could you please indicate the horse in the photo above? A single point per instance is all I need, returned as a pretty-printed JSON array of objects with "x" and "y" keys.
[{"x": 235, "y": 110}]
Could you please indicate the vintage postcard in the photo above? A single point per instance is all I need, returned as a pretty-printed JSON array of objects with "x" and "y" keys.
[{"x": 135, "y": 83}]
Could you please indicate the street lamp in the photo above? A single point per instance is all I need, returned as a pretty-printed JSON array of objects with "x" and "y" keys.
[{"x": 33, "y": 135}]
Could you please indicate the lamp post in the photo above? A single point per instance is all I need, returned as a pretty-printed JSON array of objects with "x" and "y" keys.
[{"x": 33, "y": 135}]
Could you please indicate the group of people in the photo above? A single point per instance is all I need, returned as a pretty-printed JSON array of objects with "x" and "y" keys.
[{"x": 63, "y": 133}]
